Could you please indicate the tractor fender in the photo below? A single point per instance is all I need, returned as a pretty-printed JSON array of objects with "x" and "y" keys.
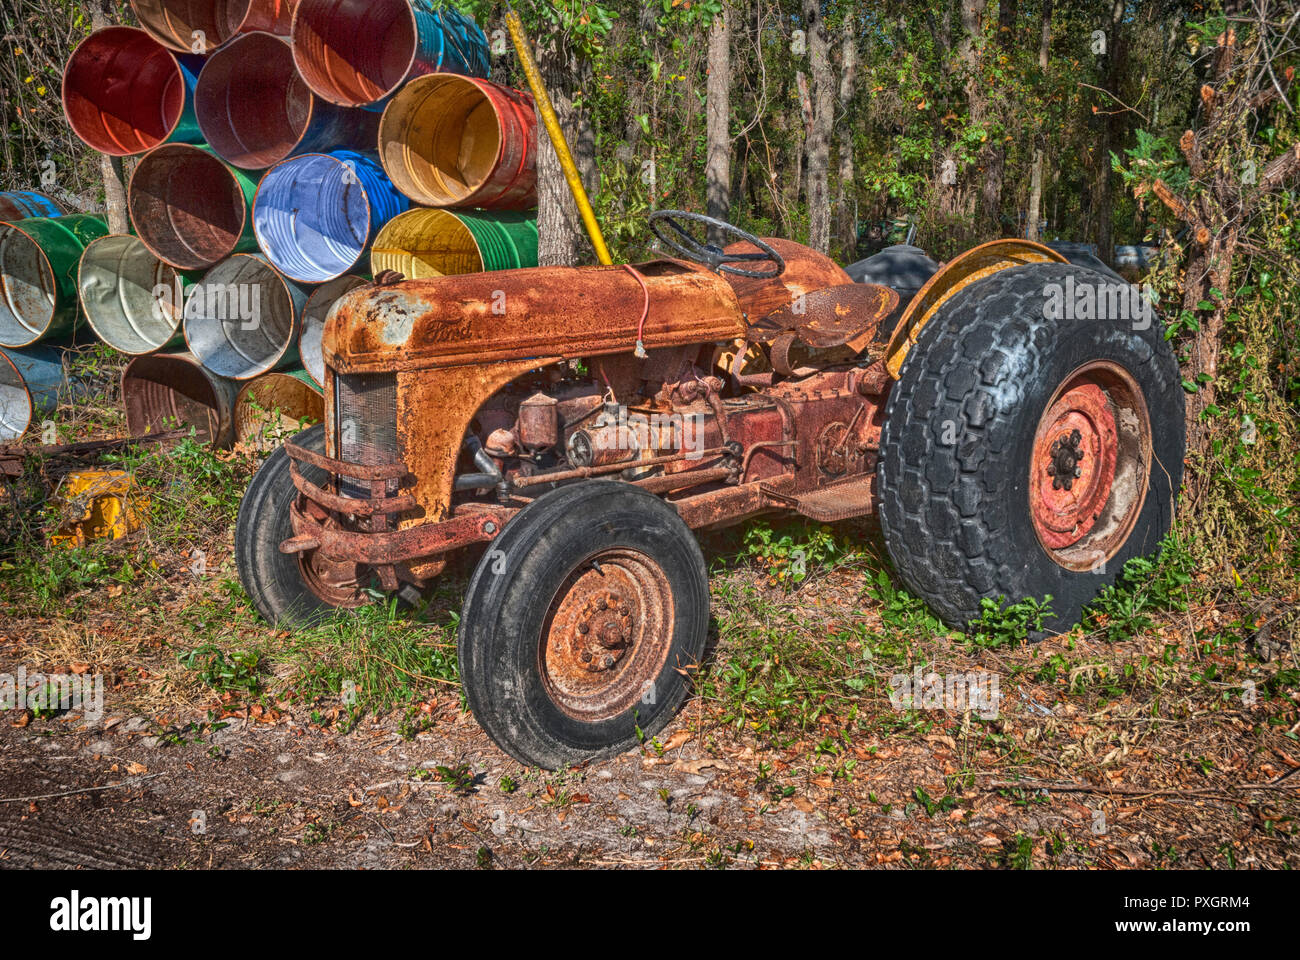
[{"x": 960, "y": 272}]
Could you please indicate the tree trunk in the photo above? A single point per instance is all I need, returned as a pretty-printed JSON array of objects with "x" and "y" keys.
[
  {"x": 111, "y": 171},
  {"x": 972, "y": 22},
  {"x": 819, "y": 206},
  {"x": 994, "y": 155},
  {"x": 718, "y": 110},
  {"x": 1103, "y": 204},
  {"x": 1036, "y": 174},
  {"x": 559, "y": 226},
  {"x": 846, "y": 222}
]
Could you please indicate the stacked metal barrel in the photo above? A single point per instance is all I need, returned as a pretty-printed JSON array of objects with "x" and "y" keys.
[{"x": 288, "y": 150}]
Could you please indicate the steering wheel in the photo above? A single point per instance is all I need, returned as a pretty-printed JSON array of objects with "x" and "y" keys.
[{"x": 712, "y": 256}]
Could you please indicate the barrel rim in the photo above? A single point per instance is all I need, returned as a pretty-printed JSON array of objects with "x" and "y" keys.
[
  {"x": 245, "y": 214},
  {"x": 228, "y": 48},
  {"x": 328, "y": 97},
  {"x": 49, "y": 275},
  {"x": 63, "y": 87},
  {"x": 31, "y": 404},
  {"x": 176, "y": 272},
  {"x": 365, "y": 195},
  {"x": 290, "y": 341},
  {"x": 174, "y": 44}
]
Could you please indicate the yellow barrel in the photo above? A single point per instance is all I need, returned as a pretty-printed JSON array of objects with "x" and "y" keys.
[{"x": 438, "y": 243}]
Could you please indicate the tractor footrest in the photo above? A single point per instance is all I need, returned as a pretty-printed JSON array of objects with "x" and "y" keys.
[{"x": 856, "y": 498}]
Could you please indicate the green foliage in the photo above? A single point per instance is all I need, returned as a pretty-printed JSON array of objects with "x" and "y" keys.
[
  {"x": 1002, "y": 624},
  {"x": 1144, "y": 587},
  {"x": 791, "y": 551}
]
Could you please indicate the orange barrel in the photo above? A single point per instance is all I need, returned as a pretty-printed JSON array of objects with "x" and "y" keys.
[
  {"x": 449, "y": 141},
  {"x": 200, "y": 27}
]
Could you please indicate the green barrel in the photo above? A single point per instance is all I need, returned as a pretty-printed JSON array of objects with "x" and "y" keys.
[
  {"x": 506, "y": 240},
  {"x": 39, "y": 257}
]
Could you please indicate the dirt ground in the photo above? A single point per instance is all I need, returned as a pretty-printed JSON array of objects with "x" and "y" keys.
[{"x": 1053, "y": 781}]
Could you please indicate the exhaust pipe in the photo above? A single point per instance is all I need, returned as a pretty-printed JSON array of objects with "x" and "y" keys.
[
  {"x": 276, "y": 406},
  {"x": 243, "y": 320},
  {"x": 437, "y": 243},
  {"x": 164, "y": 391},
  {"x": 319, "y": 304},
  {"x": 190, "y": 27},
  {"x": 125, "y": 93},
  {"x": 315, "y": 215},
  {"x": 133, "y": 301},
  {"x": 254, "y": 109},
  {"x": 31, "y": 382},
  {"x": 38, "y": 276},
  {"x": 190, "y": 209},
  {"x": 22, "y": 204},
  {"x": 357, "y": 52},
  {"x": 449, "y": 141}
]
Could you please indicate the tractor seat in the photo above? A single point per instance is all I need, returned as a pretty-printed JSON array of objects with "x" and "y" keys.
[{"x": 847, "y": 315}]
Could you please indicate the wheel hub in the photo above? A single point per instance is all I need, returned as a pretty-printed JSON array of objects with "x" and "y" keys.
[
  {"x": 1075, "y": 451},
  {"x": 607, "y": 635}
]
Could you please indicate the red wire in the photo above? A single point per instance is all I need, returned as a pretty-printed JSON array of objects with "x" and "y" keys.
[{"x": 645, "y": 310}]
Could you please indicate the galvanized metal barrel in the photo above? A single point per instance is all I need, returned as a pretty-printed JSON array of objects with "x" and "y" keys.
[
  {"x": 167, "y": 391},
  {"x": 314, "y": 314},
  {"x": 189, "y": 208},
  {"x": 435, "y": 243},
  {"x": 21, "y": 204},
  {"x": 125, "y": 93},
  {"x": 200, "y": 27},
  {"x": 244, "y": 318},
  {"x": 38, "y": 276},
  {"x": 133, "y": 300},
  {"x": 276, "y": 406},
  {"x": 449, "y": 141},
  {"x": 358, "y": 52},
  {"x": 31, "y": 382},
  {"x": 315, "y": 215},
  {"x": 254, "y": 109}
]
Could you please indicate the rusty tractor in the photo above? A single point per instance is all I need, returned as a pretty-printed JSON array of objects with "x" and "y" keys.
[{"x": 575, "y": 425}]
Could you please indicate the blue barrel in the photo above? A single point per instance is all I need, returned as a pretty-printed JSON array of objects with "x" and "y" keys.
[
  {"x": 315, "y": 214},
  {"x": 21, "y": 204},
  {"x": 31, "y": 382},
  {"x": 450, "y": 42}
]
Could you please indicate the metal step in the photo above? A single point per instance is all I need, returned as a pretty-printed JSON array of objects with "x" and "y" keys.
[{"x": 855, "y": 498}]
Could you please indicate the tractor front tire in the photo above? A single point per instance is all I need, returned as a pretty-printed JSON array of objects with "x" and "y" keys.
[
  {"x": 273, "y": 580},
  {"x": 1025, "y": 457},
  {"x": 583, "y": 623}
]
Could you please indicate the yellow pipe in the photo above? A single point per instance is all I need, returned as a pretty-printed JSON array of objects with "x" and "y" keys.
[{"x": 557, "y": 136}]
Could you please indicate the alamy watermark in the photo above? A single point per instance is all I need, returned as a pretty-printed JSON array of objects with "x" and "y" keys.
[
  {"x": 233, "y": 302},
  {"x": 1082, "y": 300},
  {"x": 53, "y": 693},
  {"x": 955, "y": 692}
]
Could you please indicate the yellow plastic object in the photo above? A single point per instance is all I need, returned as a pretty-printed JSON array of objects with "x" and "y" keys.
[
  {"x": 109, "y": 505},
  {"x": 543, "y": 100}
]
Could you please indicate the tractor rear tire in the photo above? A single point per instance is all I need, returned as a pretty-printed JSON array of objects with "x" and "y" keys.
[
  {"x": 582, "y": 623},
  {"x": 996, "y": 408}
]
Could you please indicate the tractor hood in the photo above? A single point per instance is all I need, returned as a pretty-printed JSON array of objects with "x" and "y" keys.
[{"x": 542, "y": 312}]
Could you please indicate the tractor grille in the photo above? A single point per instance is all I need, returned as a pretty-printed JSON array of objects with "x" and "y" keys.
[{"x": 366, "y": 423}]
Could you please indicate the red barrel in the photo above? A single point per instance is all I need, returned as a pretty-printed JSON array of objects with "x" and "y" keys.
[
  {"x": 255, "y": 110},
  {"x": 450, "y": 141},
  {"x": 125, "y": 93}
]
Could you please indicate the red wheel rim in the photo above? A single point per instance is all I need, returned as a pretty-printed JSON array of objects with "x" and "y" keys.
[{"x": 1090, "y": 466}]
